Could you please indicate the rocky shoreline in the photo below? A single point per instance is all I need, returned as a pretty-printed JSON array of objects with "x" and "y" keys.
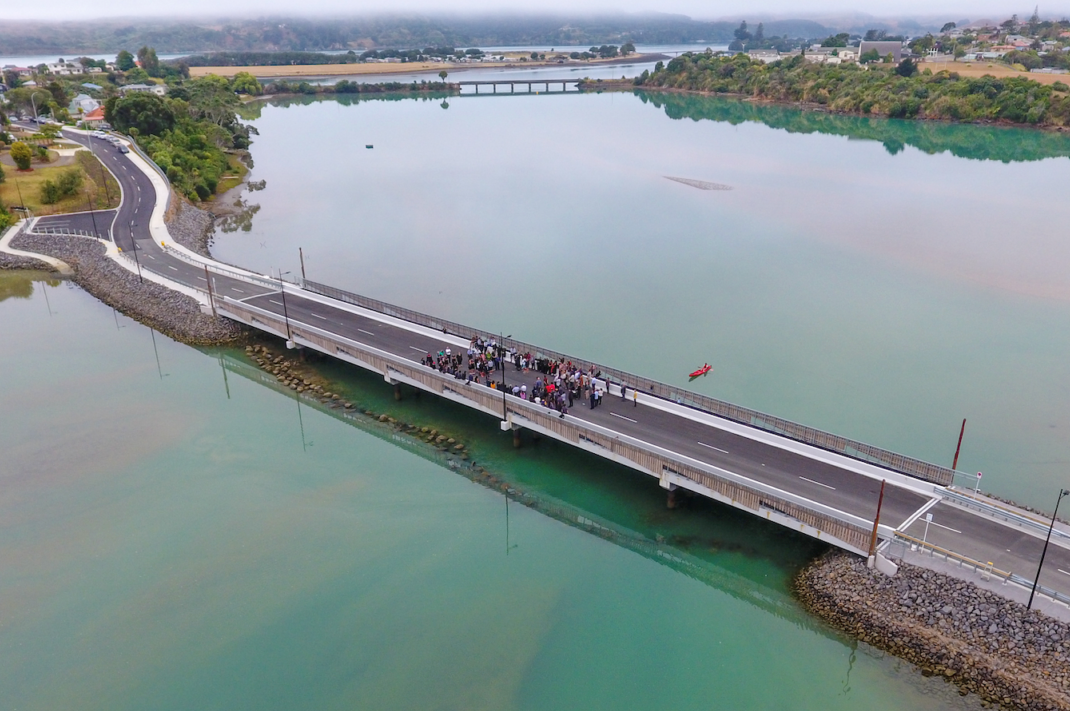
[
  {"x": 169, "y": 312},
  {"x": 976, "y": 639},
  {"x": 17, "y": 263},
  {"x": 189, "y": 226}
]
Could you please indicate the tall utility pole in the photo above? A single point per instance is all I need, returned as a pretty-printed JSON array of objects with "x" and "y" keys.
[
  {"x": 876, "y": 522},
  {"x": 301, "y": 254},
  {"x": 955, "y": 463},
  {"x": 1036, "y": 581},
  {"x": 92, "y": 214}
]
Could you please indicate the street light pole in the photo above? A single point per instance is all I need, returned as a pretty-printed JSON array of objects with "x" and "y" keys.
[
  {"x": 285, "y": 313},
  {"x": 1036, "y": 581},
  {"x": 33, "y": 103},
  {"x": 92, "y": 214}
]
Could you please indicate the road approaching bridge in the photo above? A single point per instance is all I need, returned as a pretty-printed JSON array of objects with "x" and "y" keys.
[{"x": 813, "y": 482}]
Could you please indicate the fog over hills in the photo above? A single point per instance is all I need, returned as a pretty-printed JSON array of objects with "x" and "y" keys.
[{"x": 173, "y": 35}]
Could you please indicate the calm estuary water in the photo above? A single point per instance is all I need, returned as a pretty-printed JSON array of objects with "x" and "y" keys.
[
  {"x": 177, "y": 535},
  {"x": 879, "y": 279}
]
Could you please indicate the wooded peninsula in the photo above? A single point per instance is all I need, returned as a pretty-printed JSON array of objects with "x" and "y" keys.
[{"x": 892, "y": 90}]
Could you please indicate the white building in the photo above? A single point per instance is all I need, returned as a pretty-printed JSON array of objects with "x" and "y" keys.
[
  {"x": 158, "y": 89},
  {"x": 764, "y": 55},
  {"x": 83, "y": 104}
]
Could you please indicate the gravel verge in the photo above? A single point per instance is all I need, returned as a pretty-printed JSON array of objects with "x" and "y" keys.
[
  {"x": 976, "y": 639},
  {"x": 169, "y": 312}
]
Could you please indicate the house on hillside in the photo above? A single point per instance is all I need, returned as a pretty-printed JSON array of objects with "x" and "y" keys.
[
  {"x": 884, "y": 48},
  {"x": 158, "y": 89},
  {"x": 764, "y": 55},
  {"x": 82, "y": 104},
  {"x": 94, "y": 118}
]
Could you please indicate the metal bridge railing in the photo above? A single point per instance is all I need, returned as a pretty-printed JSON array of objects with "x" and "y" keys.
[
  {"x": 977, "y": 566},
  {"x": 752, "y": 418}
]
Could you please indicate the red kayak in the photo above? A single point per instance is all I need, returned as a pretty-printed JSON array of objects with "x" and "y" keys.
[{"x": 702, "y": 371}]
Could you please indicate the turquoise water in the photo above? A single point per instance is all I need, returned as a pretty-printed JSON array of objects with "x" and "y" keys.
[
  {"x": 177, "y": 535},
  {"x": 879, "y": 279}
]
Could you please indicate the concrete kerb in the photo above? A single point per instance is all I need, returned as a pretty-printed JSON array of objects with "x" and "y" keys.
[{"x": 5, "y": 246}]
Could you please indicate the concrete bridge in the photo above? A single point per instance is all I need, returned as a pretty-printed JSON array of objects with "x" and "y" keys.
[
  {"x": 813, "y": 482},
  {"x": 529, "y": 83}
]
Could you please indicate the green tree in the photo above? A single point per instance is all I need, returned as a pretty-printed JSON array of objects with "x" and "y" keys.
[
  {"x": 124, "y": 61},
  {"x": 148, "y": 113},
  {"x": 2, "y": 176},
  {"x": 741, "y": 32},
  {"x": 868, "y": 56},
  {"x": 627, "y": 48},
  {"x": 50, "y": 131},
  {"x": 443, "y": 74},
  {"x": 146, "y": 56},
  {"x": 534, "y": 55},
  {"x": 839, "y": 40},
  {"x": 948, "y": 26},
  {"x": 759, "y": 34},
  {"x": 907, "y": 68},
  {"x": 22, "y": 154},
  {"x": 246, "y": 83}
]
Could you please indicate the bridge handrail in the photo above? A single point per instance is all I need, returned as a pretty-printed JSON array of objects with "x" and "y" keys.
[
  {"x": 978, "y": 566},
  {"x": 860, "y": 451},
  {"x": 1000, "y": 512}
]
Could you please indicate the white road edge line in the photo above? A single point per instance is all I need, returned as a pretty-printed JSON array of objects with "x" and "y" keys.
[
  {"x": 818, "y": 483},
  {"x": 1062, "y": 571},
  {"x": 934, "y": 523},
  {"x": 623, "y": 417},
  {"x": 710, "y": 446}
]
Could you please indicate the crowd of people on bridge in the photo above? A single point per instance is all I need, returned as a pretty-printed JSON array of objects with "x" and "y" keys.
[{"x": 558, "y": 386}]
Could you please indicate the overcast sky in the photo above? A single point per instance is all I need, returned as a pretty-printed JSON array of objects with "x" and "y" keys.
[{"x": 699, "y": 9}]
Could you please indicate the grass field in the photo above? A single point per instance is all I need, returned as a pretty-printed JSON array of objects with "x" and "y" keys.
[
  {"x": 25, "y": 188},
  {"x": 992, "y": 69}
]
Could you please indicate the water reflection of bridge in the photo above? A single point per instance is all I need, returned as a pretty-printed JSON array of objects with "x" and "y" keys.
[{"x": 771, "y": 600}]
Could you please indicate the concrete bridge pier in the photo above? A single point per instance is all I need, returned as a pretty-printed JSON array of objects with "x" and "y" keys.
[
  {"x": 508, "y": 425},
  {"x": 396, "y": 384}
]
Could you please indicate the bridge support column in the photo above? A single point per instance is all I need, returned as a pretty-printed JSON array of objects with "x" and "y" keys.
[
  {"x": 495, "y": 88},
  {"x": 397, "y": 391},
  {"x": 671, "y": 502},
  {"x": 512, "y": 88},
  {"x": 477, "y": 88},
  {"x": 516, "y": 438}
]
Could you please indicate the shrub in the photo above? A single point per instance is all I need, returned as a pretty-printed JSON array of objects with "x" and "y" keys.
[{"x": 22, "y": 154}]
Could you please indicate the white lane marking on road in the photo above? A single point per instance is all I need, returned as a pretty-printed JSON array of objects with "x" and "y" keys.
[
  {"x": 150, "y": 256},
  {"x": 623, "y": 417},
  {"x": 202, "y": 278},
  {"x": 417, "y": 349},
  {"x": 234, "y": 288},
  {"x": 943, "y": 526},
  {"x": 1062, "y": 571},
  {"x": 170, "y": 267},
  {"x": 710, "y": 446},
  {"x": 277, "y": 303},
  {"x": 368, "y": 332},
  {"x": 318, "y": 316},
  {"x": 818, "y": 483}
]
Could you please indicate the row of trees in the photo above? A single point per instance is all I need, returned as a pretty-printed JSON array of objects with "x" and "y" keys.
[
  {"x": 896, "y": 91},
  {"x": 190, "y": 133}
]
